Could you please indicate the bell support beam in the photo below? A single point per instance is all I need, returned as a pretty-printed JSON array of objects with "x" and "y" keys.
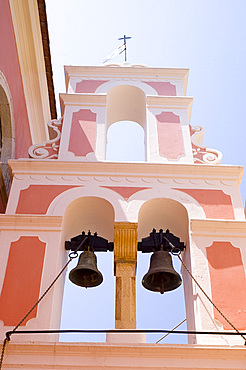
[{"x": 125, "y": 261}]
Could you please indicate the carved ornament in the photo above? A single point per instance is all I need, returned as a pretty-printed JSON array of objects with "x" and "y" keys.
[{"x": 48, "y": 149}]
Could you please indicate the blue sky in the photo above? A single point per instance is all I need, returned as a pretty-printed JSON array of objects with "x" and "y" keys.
[{"x": 208, "y": 37}]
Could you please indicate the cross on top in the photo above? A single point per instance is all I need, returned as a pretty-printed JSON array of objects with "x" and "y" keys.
[{"x": 125, "y": 38}]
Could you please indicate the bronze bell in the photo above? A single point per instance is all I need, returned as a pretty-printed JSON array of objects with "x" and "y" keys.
[
  {"x": 86, "y": 274},
  {"x": 161, "y": 276}
]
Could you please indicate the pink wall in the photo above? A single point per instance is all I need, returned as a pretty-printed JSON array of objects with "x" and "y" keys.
[
  {"x": 30, "y": 203},
  {"x": 9, "y": 65},
  {"x": 170, "y": 136},
  {"x": 215, "y": 203},
  {"x": 125, "y": 191},
  {"x": 163, "y": 88},
  {"x": 83, "y": 133},
  {"x": 88, "y": 86},
  {"x": 228, "y": 283}
]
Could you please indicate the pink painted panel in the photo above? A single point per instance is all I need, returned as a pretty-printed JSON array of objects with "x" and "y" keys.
[
  {"x": 88, "y": 86},
  {"x": 228, "y": 283},
  {"x": 170, "y": 138},
  {"x": 125, "y": 192},
  {"x": 22, "y": 280},
  {"x": 83, "y": 133},
  {"x": 37, "y": 198},
  {"x": 215, "y": 203},
  {"x": 163, "y": 88}
]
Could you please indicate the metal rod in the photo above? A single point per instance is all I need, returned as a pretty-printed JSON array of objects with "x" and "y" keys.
[
  {"x": 175, "y": 327},
  {"x": 94, "y": 331}
]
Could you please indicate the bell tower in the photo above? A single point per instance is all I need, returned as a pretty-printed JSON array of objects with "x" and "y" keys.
[{"x": 67, "y": 185}]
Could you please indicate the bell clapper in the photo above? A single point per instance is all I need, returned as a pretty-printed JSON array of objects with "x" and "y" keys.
[{"x": 162, "y": 286}]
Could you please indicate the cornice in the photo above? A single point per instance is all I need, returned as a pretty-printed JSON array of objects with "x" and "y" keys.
[
  {"x": 33, "y": 222},
  {"x": 83, "y": 99},
  {"x": 171, "y": 102},
  {"x": 130, "y": 169},
  {"x": 218, "y": 228},
  {"x": 165, "y": 102},
  {"x": 127, "y": 72}
]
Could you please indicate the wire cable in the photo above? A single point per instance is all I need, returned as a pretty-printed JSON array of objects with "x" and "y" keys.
[{"x": 175, "y": 327}]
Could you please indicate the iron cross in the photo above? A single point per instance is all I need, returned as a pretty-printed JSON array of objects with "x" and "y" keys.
[{"x": 125, "y": 38}]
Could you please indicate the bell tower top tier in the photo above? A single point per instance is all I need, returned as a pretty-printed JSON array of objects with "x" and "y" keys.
[{"x": 155, "y": 98}]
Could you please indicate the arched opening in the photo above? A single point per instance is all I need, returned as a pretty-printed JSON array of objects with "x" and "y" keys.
[
  {"x": 155, "y": 311},
  {"x": 6, "y": 134},
  {"x": 126, "y": 124},
  {"x": 91, "y": 308},
  {"x": 125, "y": 142}
]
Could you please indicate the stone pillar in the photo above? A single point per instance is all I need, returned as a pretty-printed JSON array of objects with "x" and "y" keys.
[{"x": 125, "y": 261}]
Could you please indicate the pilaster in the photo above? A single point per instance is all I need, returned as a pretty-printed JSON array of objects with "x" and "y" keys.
[{"x": 125, "y": 260}]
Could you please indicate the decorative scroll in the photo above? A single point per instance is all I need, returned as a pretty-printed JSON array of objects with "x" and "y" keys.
[
  {"x": 48, "y": 149},
  {"x": 201, "y": 153}
]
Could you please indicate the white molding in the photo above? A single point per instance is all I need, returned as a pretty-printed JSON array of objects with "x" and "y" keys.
[
  {"x": 218, "y": 228},
  {"x": 154, "y": 101},
  {"x": 145, "y": 170},
  {"x": 33, "y": 222},
  {"x": 171, "y": 102},
  {"x": 118, "y": 71},
  {"x": 88, "y": 100},
  {"x": 122, "y": 356}
]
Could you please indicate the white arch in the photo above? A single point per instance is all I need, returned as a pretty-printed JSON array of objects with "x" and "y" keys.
[
  {"x": 60, "y": 203},
  {"x": 105, "y": 87},
  {"x": 194, "y": 209},
  {"x": 125, "y": 142},
  {"x": 125, "y": 211}
]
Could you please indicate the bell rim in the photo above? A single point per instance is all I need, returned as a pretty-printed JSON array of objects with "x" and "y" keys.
[
  {"x": 89, "y": 286},
  {"x": 178, "y": 282}
]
